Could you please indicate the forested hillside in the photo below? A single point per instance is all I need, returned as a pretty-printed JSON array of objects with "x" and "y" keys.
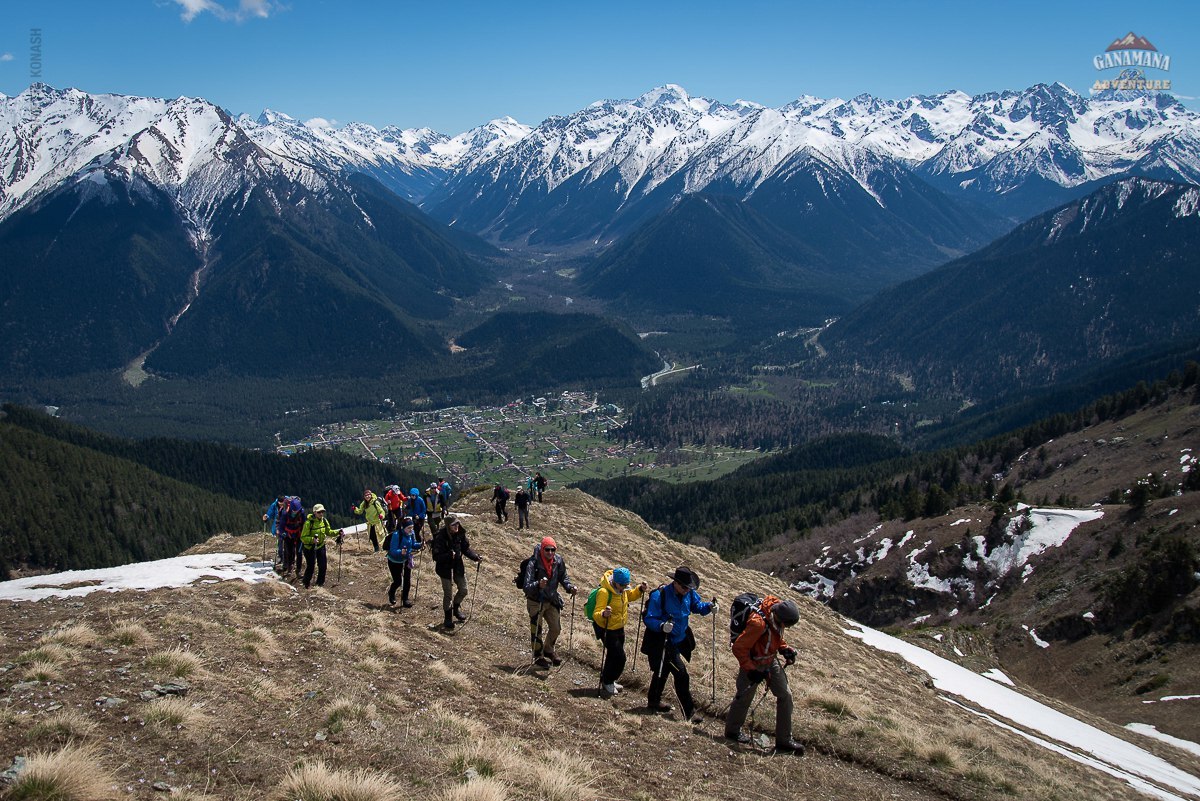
[
  {"x": 831, "y": 478},
  {"x": 78, "y": 499}
]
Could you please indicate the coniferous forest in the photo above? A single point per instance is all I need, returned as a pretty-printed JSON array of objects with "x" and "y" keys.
[{"x": 78, "y": 499}]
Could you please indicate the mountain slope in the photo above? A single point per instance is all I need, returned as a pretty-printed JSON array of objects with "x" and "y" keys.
[
  {"x": 1068, "y": 290},
  {"x": 468, "y": 717}
]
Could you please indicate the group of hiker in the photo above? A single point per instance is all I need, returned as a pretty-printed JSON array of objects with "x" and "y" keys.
[
  {"x": 395, "y": 523},
  {"x": 533, "y": 488},
  {"x": 756, "y": 627}
]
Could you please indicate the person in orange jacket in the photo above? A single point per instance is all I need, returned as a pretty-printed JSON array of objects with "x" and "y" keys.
[{"x": 757, "y": 650}]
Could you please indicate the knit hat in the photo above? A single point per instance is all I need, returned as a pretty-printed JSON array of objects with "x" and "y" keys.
[
  {"x": 786, "y": 613},
  {"x": 621, "y": 576},
  {"x": 548, "y": 542}
]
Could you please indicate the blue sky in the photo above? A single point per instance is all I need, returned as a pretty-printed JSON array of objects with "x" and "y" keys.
[{"x": 454, "y": 64}]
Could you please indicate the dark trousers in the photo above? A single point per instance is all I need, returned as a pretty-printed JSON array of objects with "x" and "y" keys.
[
  {"x": 501, "y": 511},
  {"x": 314, "y": 557},
  {"x": 401, "y": 575},
  {"x": 522, "y": 517},
  {"x": 450, "y": 598},
  {"x": 291, "y": 555},
  {"x": 671, "y": 663},
  {"x": 614, "y": 652},
  {"x": 777, "y": 683},
  {"x": 539, "y": 495},
  {"x": 418, "y": 524}
]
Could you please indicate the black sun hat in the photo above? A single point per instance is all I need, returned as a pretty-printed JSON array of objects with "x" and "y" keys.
[{"x": 687, "y": 577}]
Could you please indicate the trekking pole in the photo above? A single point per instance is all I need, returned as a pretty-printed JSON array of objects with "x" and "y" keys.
[
  {"x": 417, "y": 577},
  {"x": 474, "y": 594},
  {"x": 714, "y": 654},
  {"x": 571, "y": 635},
  {"x": 339, "y": 581},
  {"x": 264, "y": 542},
  {"x": 638, "y": 638}
]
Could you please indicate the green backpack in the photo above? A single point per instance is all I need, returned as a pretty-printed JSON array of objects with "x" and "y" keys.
[{"x": 589, "y": 608}]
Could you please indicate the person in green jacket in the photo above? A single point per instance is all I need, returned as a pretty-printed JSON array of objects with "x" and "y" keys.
[
  {"x": 374, "y": 511},
  {"x": 312, "y": 544}
]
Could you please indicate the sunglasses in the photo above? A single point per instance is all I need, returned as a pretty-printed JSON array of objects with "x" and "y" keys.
[{"x": 549, "y": 549}]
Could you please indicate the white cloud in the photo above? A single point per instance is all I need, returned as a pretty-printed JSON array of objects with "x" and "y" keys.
[
  {"x": 6, "y": 57},
  {"x": 246, "y": 9},
  {"x": 320, "y": 122}
]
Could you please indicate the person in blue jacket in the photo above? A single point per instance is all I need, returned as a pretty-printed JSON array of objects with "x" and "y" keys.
[
  {"x": 669, "y": 641},
  {"x": 274, "y": 515},
  {"x": 401, "y": 545},
  {"x": 444, "y": 491},
  {"x": 416, "y": 509}
]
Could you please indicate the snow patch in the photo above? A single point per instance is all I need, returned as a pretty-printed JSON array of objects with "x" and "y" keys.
[
  {"x": 996, "y": 675},
  {"x": 1149, "y": 731},
  {"x": 179, "y": 571}
]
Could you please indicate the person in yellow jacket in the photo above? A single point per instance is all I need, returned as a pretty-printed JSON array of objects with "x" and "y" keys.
[
  {"x": 312, "y": 544},
  {"x": 373, "y": 509},
  {"x": 608, "y": 622}
]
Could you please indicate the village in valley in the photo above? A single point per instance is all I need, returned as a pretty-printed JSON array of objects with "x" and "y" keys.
[{"x": 568, "y": 437}]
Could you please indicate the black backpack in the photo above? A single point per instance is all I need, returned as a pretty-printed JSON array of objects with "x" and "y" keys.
[
  {"x": 739, "y": 613},
  {"x": 519, "y": 579}
]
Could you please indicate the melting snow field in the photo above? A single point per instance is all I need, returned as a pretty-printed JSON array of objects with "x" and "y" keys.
[
  {"x": 179, "y": 571},
  {"x": 1150, "y": 731},
  {"x": 1086, "y": 744}
]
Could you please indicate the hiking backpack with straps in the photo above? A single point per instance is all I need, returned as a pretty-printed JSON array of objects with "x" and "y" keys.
[
  {"x": 589, "y": 606},
  {"x": 519, "y": 579},
  {"x": 739, "y": 613}
]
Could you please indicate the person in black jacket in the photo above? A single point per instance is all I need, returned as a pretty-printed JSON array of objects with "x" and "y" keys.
[
  {"x": 500, "y": 501},
  {"x": 544, "y": 573},
  {"x": 448, "y": 547}
]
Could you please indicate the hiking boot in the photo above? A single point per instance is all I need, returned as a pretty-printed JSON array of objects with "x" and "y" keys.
[
  {"x": 448, "y": 623},
  {"x": 610, "y": 688},
  {"x": 553, "y": 657},
  {"x": 789, "y": 747},
  {"x": 618, "y": 685},
  {"x": 660, "y": 709},
  {"x": 406, "y": 604},
  {"x": 542, "y": 661},
  {"x": 459, "y": 616},
  {"x": 741, "y": 737}
]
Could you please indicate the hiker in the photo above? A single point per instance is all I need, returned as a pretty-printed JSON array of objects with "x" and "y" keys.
[
  {"x": 293, "y": 524},
  {"x": 416, "y": 509},
  {"x": 669, "y": 642},
  {"x": 274, "y": 515},
  {"x": 401, "y": 545},
  {"x": 448, "y": 547},
  {"x": 312, "y": 538},
  {"x": 395, "y": 499},
  {"x": 544, "y": 573},
  {"x": 522, "y": 501},
  {"x": 529, "y": 487},
  {"x": 444, "y": 492},
  {"x": 756, "y": 649},
  {"x": 610, "y": 611},
  {"x": 431, "y": 497},
  {"x": 374, "y": 511},
  {"x": 539, "y": 483},
  {"x": 500, "y": 499}
]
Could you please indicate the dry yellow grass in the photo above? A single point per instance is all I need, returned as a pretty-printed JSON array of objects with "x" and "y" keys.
[
  {"x": 76, "y": 636},
  {"x": 384, "y": 645},
  {"x": 63, "y": 727},
  {"x": 446, "y": 726},
  {"x": 173, "y": 712},
  {"x": 265, "y": 689},
  {"x": 536, "y": 712},
  {"x": 483, "y": 789},
  {"x": 70, "y": 774},
  {"x": 451, "y": 676},
  {"x": 130, "y": 634},
  {"x": 262, "y": 642},
  {"x": 42, "y": 671},
  {"x": 560, "y": 776},
  {"x": 50, "y": 653},
  {"x": 343, "y": 710},
  {"x": 317, "y": 782},
  {"x": 176, "y": 662}
]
